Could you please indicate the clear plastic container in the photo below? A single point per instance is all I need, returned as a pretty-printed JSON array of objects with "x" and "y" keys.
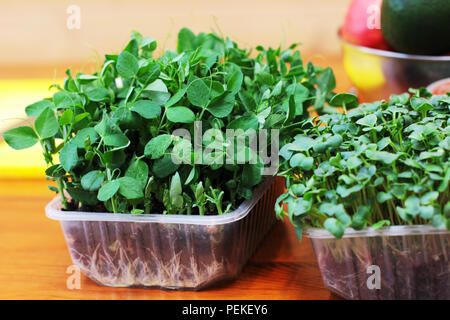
[
  {"x": 168, "y": 251},
  {"x": 411, "y": 262}
]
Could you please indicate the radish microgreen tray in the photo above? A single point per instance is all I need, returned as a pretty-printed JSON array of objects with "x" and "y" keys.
[{"x": 381, "y": 163}]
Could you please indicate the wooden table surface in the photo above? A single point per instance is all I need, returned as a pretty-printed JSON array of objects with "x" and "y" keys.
[{"x": 34, "y": 257}]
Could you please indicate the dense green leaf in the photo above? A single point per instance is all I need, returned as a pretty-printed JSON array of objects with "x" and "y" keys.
[
  {"x": 66, "y": 117},
  {"x": 290, "y": 115},
  {"x": 247, "y": 101},
  {"x": 68, "y": 156},
  {"x": 235, "y": 81},
  {"x": 176, "y": 97},
  {"x": 98, "y": 94},
  {"x": 147, "y": 109},
  {"x": 157, "y": 91},
  {"x": 222, "y": 105},
  {"x": 164, "y": 167},
  {"x": 157, "y": 146},
  {"x": 359, "y": 219},
  {"x": 383, "y": 197},
  {"x": 383, "y": 156},
  {"x": 198, "y": 93},
  {"x": 149, "y": 73},
  {"x": 127, "y": 65},
  {"x": 353, "y": 162},
  {"x": 130, "y": 188},
  {"x": 64, "y": 100},
  {"x": 93, "y": 180},
  {"x": 344, "y": 99},
  {"x": 380, "y": 224},
  {"x": 300, "y": 207},
  {"x": 186, "y": 40},
  {"x": 85, "y": 134},
  {"x": 244, "y": 122},
  {"x": 301, "y": 161},
  {"x": 35, "y": 109},
  {"x": 111, "y": 133},
  {"x": 368, "y": 121},
  {"x": 301, "y": 143},
  {"x": 82, "y": 196},
  {"x": 298, "y": 94},
  {"x": 252, "y": 174},
  {"x": 138, "y": 170}
]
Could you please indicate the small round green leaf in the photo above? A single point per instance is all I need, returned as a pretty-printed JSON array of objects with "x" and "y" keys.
[
  {"x": 176, "y": 97},
  {"x": 221, "y": 106},
  {"x": 66, "y": 117},
  {"x": 164, "y": 167},
  {"x": 157, "y": 146},
  {"x": 35, "y": 109},
  {"x": 138, "y": 170},
  {"x": 108, "y": 190},
  {"x": 344, "y": 99},
  {"x": 147, "y": 109},
  {"x": 98, "y": 94},
  {"x": 21, "y": 137},
  {"x": 335, "y": 227},
  {"x": 130, "y": 188},
  {"x": 92, "y": 181},
  {"x": 175, "y": 191},
  {"x": 86, "y": 134},
  {"x": 368, "y": 121},
  {"x": 235, "y": 81},
  {"x": 180, "y": 115},
  {"x": 127, "y": 65},
  {"x": 198, "y": 93},
  {"x": 68, "y": 156},
  {"x": 46, "y": 124}
]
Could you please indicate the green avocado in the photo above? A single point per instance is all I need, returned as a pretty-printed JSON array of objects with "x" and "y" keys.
[{"x": 417, "y": 26}]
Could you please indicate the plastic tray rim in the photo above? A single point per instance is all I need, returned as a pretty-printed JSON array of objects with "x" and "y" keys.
[
  {"x": 53, "y": 211},
  {"x": 321, "y": 233}
]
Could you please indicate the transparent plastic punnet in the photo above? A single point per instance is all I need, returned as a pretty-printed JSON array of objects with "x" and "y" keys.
[
  {"x": 168, "y": 251},
  {"x": 412, "y": 262}
]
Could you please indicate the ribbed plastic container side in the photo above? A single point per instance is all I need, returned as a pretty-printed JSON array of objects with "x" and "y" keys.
[
  {"x": 169, "y": 255},
  {"x": 411, "y": 266}
]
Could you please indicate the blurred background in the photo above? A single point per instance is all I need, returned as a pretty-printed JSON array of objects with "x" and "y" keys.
[{"x": 40, "y": 40}]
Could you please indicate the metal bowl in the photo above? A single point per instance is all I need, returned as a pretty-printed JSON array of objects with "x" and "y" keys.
[{"x": 376, "y": 74}]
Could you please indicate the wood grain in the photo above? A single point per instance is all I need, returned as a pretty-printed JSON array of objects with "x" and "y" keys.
[{"x": 34, "y": 259}]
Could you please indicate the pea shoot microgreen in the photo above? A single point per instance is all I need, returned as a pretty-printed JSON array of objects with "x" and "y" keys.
[{"x": 108, "y": 137}]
